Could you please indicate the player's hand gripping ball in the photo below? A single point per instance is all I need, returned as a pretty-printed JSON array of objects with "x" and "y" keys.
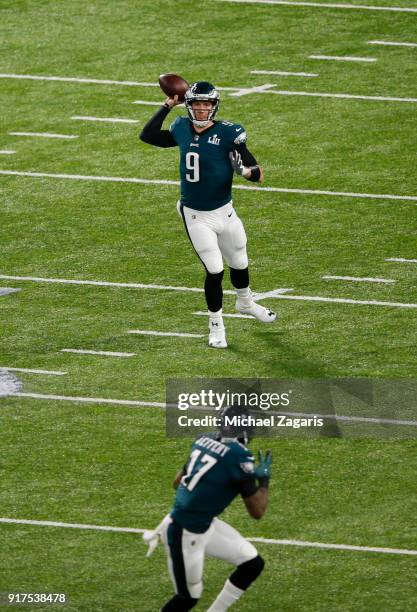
[{"x": 173, "y": 85}]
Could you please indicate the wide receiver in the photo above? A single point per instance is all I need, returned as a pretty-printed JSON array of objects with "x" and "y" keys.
[
  {"x": 210, "y": 152},
  {"x": 219, "y": 468}
]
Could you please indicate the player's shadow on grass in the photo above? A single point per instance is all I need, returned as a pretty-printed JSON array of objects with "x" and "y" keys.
[{"x": 286, "y": 362}]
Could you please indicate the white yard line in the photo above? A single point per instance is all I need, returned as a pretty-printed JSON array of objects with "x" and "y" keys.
[
  {"x": 282, "y": 73},
  {"x": 277, "y": 296},
  {"x": 7, "y": 152},
  {"x": 238, "y": 90},
  {"x": 391, "y": 43},
  {"x": 66, "y": 281},
  {"x": 341, "y": 96},
  {"x": 7, "y": 290},
  {"x": 316, "y": 298},
  {"x": 401, "y": 259},
  {"x": 104, "y": 119},
  {"x": 31, "y": 371},
  {"x": 90, "y": 352},
  {"x": 397, "y": 9},
  {"x": 146, "y": 103},
  {"x": 89, "y": 400},
  {"x": 358, "y": 279},
  {"x": 149, "y": 332},
  {"x": 118, "y": 179},
  {"x": 244, "y": 91},
  {"x": 324, "y": 545},
  {"x": 44, "y": 135},
  {"x": 32, "y": 77},
  {"x": 201, "y": 313},
  {"x": 138, "y": 403},
  {"x": 343, "y": 58}
]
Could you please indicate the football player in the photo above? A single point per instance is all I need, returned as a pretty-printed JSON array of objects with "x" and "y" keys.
[
  {"x": 210, "y": 151},
  {"x": 219, "y": 468}
]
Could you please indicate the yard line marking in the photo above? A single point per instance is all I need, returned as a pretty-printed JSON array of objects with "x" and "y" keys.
[
  {"x": 7, "y": 290},
  {"x": 401, "y": 259},
  {"x": 232, "y": 89},
  {"x": 147, "y": 103},
  {"x": 244, "y": 91},
  {"x": 342, "y": 58},
  {"x": 278, "y": 296},
  {"x": 391, "y": 44},
  {"x": 148, "y": 332},
  {"x": 90, "y": 400},
  {"x": 340, "y": 95},
  {"x": 100, "y": 400},
  {"x": 270, "y": 294},
  {"x": 119, "y": 179},
  {"x": 316, "y": 298},
  {"x": 44, "y": 135},
  {"x": 224, "y": 314},
  {"x": 32, "y": 77},
  {"x": 66, "y": 281},
  {"x": 356, "y": 548},
  {"x": 90, "y": 352},
  {"x": 358, "y": 279},
  {"x": 282, "y": 73},
  {"x": 106, "y": 119},
  {"x": 7, "y": 152},
  {"x": 376, "y": 549},
  {"x": 30, "y": 371},
  {"x": 398, "y": 9}
]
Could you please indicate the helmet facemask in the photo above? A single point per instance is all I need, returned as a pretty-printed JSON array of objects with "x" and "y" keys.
[{"x": 202, "y": 91}]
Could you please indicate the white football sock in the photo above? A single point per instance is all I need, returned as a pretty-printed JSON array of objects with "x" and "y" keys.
[
  {"x": 217, "y": 314},
  {"x": 242, "y": 293},
  {"x": 226, "y": 598}
]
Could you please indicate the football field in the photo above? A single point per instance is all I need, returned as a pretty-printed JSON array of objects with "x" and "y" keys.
[{"x": 101, "y": 295}]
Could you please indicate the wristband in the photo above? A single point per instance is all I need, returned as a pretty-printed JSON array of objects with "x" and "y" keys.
[
  {"x": 255, "y": 174},
  {"x": 165, "y": 105}
]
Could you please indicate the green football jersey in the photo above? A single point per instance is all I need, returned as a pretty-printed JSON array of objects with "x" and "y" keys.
[
  {"x": 213, "y": 474},
  {"x": 205, "y": 169}
]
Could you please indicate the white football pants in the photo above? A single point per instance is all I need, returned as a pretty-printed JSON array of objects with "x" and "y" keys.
[
  {"x": 186, "y": 552},
  {"x": 216, "y": 234}
]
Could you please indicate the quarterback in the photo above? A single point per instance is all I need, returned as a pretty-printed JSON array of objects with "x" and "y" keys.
[
  {"x": 219, "y": 468},
  {"x": 210, "y": 152}
]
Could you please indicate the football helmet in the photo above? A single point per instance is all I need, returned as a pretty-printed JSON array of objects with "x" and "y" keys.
[
  {"x": 239, "y": 429},
  {"x": 202, "y": 91}
]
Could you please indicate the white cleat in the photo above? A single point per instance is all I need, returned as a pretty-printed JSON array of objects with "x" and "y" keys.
[
  {"x": 245, "y": 306},
  {"x": 217, "y": 334}
]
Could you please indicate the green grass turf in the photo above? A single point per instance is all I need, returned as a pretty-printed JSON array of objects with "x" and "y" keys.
[{"x": 113, "y": 465}]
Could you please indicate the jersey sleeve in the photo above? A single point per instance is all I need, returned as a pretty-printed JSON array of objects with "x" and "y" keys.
[
  {"x": 239, "y": 135},
  {"x": 242, "y": 465}
]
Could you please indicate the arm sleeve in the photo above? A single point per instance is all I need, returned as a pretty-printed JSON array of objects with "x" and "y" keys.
[
  {"x": 247, "y": 487},
  {"x": 247, "y": 157},
  {"x": 152, "y": 133}
]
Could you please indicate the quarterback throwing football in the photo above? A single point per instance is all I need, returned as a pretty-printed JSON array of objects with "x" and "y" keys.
[
  {"x": 220, "y": 467},
  {"x": 210, "y": 152}
]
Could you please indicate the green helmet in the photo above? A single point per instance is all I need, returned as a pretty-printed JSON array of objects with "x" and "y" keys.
[{"x": 205, "y": 91}]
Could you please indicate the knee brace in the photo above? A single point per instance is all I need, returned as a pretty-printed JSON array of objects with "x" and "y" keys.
[
  {"x": 247, "y": 572},
  {"x": 213, "y": 291},
  {"x": 179, "y": 603}
]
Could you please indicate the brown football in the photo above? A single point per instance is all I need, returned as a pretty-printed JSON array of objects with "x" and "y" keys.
[{"x": 172, "y": 85}]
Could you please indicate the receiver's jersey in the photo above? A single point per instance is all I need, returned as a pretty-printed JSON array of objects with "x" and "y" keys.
[
  {"x": 214, "y": 475},
  {"x": 205, "y": 169}
]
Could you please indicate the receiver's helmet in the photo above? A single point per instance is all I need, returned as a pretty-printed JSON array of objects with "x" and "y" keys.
[
  {"x": 202, "y": 91},
  {"x": 234, "y": 423}
]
